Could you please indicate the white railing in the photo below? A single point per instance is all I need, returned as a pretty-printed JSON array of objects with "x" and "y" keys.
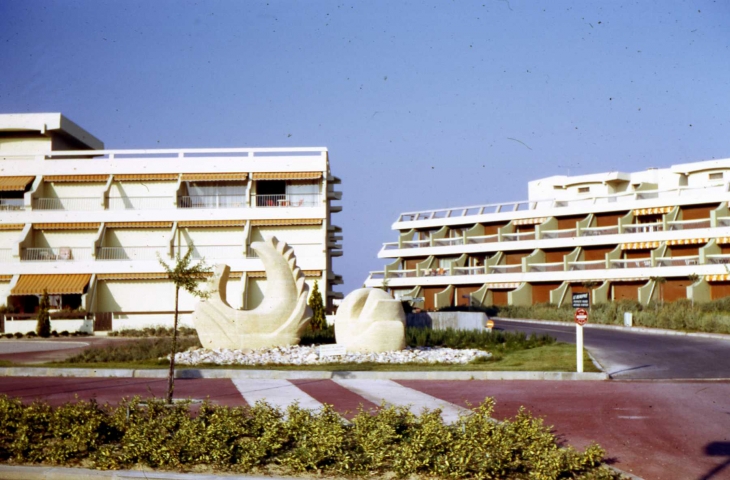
[
  {"x": 482, "y": 239},
  {"x": 286, "y": 200},
  {"x": 416, "y": 243},
  {"x": 480, "y": 270},
  {"x": 505, "y": 268},
  {"x": 162, "y": 153},
  {"x": 595, "y": 231},
  {"x": 678, "y": 261},
  {"x": 447, "y": 242},
  {"x": 723, "y": 221},
  {"x": 68, "y": 203},
  {"x": 132, "y": 253},
  {"x": 515, "y": 237},
  {"x": 12, "y": 204},
  {"x": 547, "y": 267},
  {"x": 141, "y": 203},
  {"x": 212, "y": 201},
  {"x": 637, "y": 263},
  {"x": 390, "y": 246},
  {"x": 719, "y": 259},
  {"x": 212, "y": 251},
  {"x": 547, "y": 203},
  {"x": 564, "y": 233},
  {"x": 689, "y": 224},
  {"x": 60, "y": 254},
  {"x": 6, "y": 254},
  {"x": 377, "y": 275},
  {"x": 435, "y": 272},
  {"x": 644, "y": 227},
  {"x": 587, "y": 265},
  {"x": 402, "y": 273}
]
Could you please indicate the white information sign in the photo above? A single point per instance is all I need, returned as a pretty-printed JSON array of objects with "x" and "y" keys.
[{"x": 332, "y": 350}]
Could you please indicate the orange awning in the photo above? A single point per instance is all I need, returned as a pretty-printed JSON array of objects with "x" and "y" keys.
[
  {"x": 53, "y": 284},
  {"x": 529, "y": 221},
  {"x": 139, "y": 177},
  {"x": 213, "y": 177},
  {"x": 493, "y": 286},
  {"x": 76, "y": 178},
  {"x": 67, "y": 226},
  {"x": 5, "y": 278},
  {"x": 287, "y": 175},
  {"x": 639, "y": 245},
  {"x": 139, "y": 225},
  {"x": 688, "y": 241},
  {"x": 723, "y": 277},
  {"x": 212, "y": 223},
  {"x": 11, "y": 226},
  {"x": 14, "y": 184},
  {"x": 652, "y": 211},
  {"x": 285, "y": 222}
]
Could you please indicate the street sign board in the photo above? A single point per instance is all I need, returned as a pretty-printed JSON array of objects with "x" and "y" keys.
[
  {"x": 581, "y": 316},
  {"x": 582, "y": 300}
]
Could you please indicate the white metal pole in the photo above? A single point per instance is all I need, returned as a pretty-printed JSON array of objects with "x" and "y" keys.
[{"x": 579, "y": 346}]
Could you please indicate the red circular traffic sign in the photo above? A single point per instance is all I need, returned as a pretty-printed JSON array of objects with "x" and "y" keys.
[{"x": 581, "y": 316}]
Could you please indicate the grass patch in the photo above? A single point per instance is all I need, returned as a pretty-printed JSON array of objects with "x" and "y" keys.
[{"x": 143, "y": 350}]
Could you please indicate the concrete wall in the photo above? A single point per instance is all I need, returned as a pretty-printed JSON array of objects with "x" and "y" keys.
[
  {"x": 444, "y": 320},
  {"x": 25, "y": 326}
]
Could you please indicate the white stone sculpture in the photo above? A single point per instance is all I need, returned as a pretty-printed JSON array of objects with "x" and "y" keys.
[
  {"x": 277, "y": 321},
  {"x": 370, "y": 320}
]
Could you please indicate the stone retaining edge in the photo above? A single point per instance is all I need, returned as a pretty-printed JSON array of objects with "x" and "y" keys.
[{"x": 295, "y": 374}]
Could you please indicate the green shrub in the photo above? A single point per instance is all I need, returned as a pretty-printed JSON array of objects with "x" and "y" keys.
[
  {"x": 148, "y": 349},
  {"x": 258, "y": 438},
  {"x": 153, "y": 332},
  {"x": 64, "y": 333},
  {"x": 18, "y": 335}
]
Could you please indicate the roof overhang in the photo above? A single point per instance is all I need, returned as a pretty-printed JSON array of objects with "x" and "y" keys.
[{"x": 48, "y": 122}]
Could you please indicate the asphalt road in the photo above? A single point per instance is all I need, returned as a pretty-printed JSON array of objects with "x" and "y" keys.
[{"x": 633, "y": 355}]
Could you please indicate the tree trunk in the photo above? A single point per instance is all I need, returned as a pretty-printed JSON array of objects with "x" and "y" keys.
[{"x": 171, "y": 373}]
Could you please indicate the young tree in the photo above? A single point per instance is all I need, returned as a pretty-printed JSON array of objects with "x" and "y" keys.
[
  {"x": 185, "y": 276},
  {"x": 43, "y": 327},
  {"x": 315, "y": 303}
]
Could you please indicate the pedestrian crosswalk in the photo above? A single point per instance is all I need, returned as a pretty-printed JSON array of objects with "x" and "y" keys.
[{"x": 282, "y": 393}]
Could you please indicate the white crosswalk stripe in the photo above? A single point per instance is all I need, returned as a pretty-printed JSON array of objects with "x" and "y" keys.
[
  {"x": 394, "y": 393},
  {"x": 278, "y": 393}
]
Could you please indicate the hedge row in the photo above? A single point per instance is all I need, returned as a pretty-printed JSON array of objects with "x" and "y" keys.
[{"x": 262, "y": 438}]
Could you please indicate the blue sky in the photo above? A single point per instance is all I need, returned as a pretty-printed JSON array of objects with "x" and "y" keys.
[{"x": 422, "y": 104}]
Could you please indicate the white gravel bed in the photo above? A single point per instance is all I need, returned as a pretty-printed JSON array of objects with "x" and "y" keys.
[{"x": 301, "y": 355}]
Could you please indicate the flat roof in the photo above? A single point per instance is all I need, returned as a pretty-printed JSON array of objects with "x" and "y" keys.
[{"x": 48, "y": 122}]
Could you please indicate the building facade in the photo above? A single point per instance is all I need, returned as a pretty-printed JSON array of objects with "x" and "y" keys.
[
  {"x": 88, "y": 225},
  {"x": 661, "y": 234}
]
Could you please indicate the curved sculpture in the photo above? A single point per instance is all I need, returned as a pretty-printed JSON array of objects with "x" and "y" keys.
[
  {"x": 277, "y": 321},
  {"x": 369, "y": 320}
]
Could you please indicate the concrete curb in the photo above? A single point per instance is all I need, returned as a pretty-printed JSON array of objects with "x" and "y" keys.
[
  {"x": 644, "y": 330},
  {"x": 296, "y": 374}
]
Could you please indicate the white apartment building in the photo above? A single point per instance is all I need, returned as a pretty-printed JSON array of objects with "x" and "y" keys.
[
  {"x": 661, "y": 234},
  {"x": 88, "y": 224}
]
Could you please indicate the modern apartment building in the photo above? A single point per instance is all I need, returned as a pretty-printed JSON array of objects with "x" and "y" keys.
[
  {"x": 661, "y": 234},
  {"x": 88, "y": 225}
]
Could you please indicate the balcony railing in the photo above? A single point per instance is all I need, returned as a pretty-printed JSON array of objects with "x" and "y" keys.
[
  {"x": 68, "y": 203},
  {"x": 391, "y": 246},
  {"x": 212, "y": 201},
  {"x": 12, "y": 204},
  {"x": 6, "y": 254},
  {"x": 723, "y": 222},
  {"x": 213, "y": 251},
  {"x": 402, "y": 273},
  {"x": 719, "y": 259},
  {"x": 644, "y": 227},
  {"x": 482, "y": 239},
  {"x": 60, "y": 254},
  {"x": 564, "y": 233},
  {"x": 678, "y": 261},
  {"x": 287, "y": 200},
  {"x": 634, "y": 263},
  {"x": 131, "y": 253},
  {"x": 480, "y": 270},
  {"x": 595, "y": 231},
  {"x": 141, "y": 203},
  {"x": 416, "y": 243},
  {"x": 689, "y": 224},
  {"x": 447, "y": 242},
  {"x": 547, "y": 267},
  {"x": 516, "y": 237},
  {"x": 587, "y": 265},
  {"x": 505, "y": 269}
]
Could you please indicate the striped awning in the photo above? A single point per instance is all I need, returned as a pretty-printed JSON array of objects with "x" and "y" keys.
[
  {"x": 67, "y": 226},
  {"x": 15, "y": 184},
  {"x": 286, "y": 222},
  {"x": 53, "y": 284},
  {"x": 139, "y": 177},
  {"x": 76, "y": 178},
  {"x": 139, "y": 225},
  {"x": 132, "y": 276},
  {"x": 688, "y": 241},
  {"x": 5, "y": 278},
  {"x": 213, "y": 177},
  {"x": 639, "y": 245},
  {"x": 306, "y": 273},
  {"x": 494, "y": 286},
  {"x": 529, "y": 221},
  {"x": 287, "y": 175},
  {"x": 722, "y": 277},
  {"x": 722, "y": 240},
  {"x": 11, "y": 226},
  {"x": 652, "y": 211},
  {"x": 212, "y": 223}
]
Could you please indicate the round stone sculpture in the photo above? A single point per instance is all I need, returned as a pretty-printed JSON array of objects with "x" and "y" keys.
[{"x": 370, "y": 320}]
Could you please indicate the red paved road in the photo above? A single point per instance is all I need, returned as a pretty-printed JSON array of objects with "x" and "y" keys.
[{"x": 657, "y": 430}]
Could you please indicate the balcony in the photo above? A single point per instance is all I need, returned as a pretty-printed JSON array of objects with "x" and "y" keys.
[
  {"x": 480, "y": 270},
  {"x": 633, "y": 263},
  {"x": 132, "y": 253},
  {"x": 678, "y": 261},
  {"x": 212, "y": 201},
  {"x": 644, "y": 228},
  {"x": 68, "y": 203},
  {"x": 6, "y": 254},
  {"x": 595, "y": 231},
  {"x": 141, "y": 203},
  {"x": 564, "y": 233},
  {"x": 587, "y": 265},
  {"x": 213, "y": 251},
  {"x": 60, "y": 254},
  {"x": 482, "y": 239},
  {"x": 689, "y": 224},
  {"x": 447, "y": 242},
  {"x": 287, "y": 200},
  {"x": 719, "y": 259},
  {"x": 416, "y": 243},
  {"x": 516, "y": 237},
  {"x": 402, "y": 273},
  {"x": 505, "y": 269},
  {"x": 12, "y": 204},
  {"x": 547, "y": 267}
]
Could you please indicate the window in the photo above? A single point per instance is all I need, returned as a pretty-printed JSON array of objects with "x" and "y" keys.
[
  {"x": 716, "y": 176},
  {"x": 584, "y": 189}
]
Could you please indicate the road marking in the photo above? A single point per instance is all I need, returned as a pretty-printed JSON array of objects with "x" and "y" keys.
[
  {"x": 378, "y": 391},
  {"x": 278, "y": 393},
  {"x": 632, "y": 417}
]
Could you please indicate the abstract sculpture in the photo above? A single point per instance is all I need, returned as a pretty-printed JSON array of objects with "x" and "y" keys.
[
  {"x": 369, "y": 320},
  {"x": 277, "y": 321}
]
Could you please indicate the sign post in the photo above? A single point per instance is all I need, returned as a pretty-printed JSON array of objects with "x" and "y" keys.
[{"x": 581, "y": 317}]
